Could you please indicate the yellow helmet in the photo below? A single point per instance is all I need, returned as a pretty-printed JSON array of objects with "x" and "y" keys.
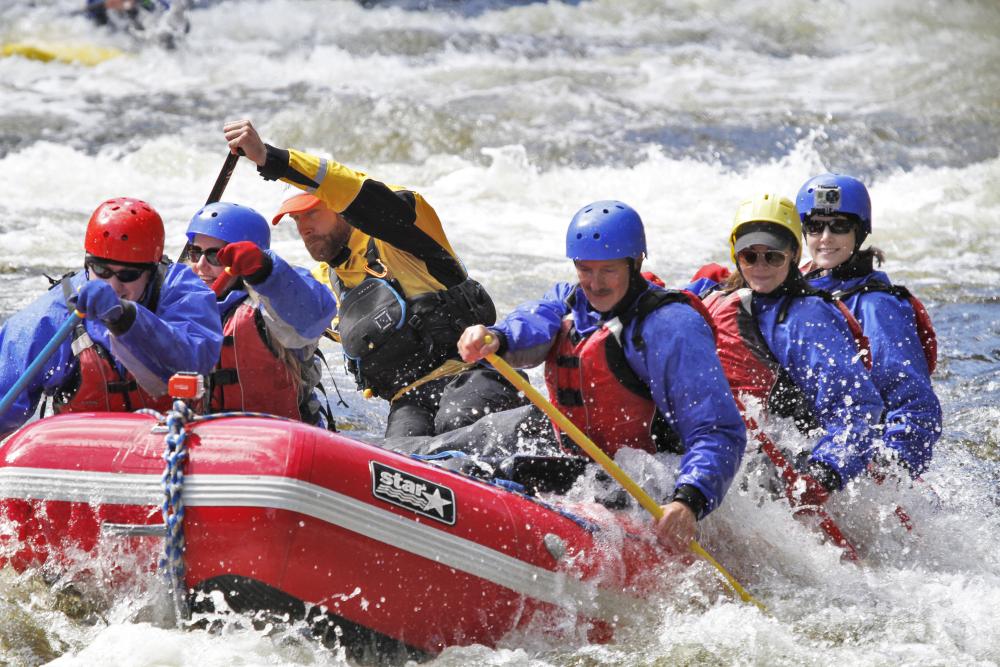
[{"x": 771, "y": 208}]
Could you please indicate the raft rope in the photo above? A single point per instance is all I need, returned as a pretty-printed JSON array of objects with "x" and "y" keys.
[{"x": 175, "y": 454}]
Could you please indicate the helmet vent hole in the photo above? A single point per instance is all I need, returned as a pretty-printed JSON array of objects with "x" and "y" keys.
[
  {"x": 597, "y": 235},
  {"x": 124, "y": 237},
  {"x": 579, "y": 235},
  {"x": 606, "y": 211},
  {"x": 215, "y": 214}
]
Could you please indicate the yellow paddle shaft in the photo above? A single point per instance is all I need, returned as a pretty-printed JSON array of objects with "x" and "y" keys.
[{"x": 610, "y": 466}]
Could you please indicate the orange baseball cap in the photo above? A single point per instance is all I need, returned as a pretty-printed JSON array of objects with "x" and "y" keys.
[{"x": 296, "y": 204}]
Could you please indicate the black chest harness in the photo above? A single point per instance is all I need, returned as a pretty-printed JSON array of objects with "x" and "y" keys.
[{"x": 389, "y": 340}]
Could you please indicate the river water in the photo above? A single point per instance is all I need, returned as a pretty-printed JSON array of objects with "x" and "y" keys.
[{"x": 509, "y": 116}]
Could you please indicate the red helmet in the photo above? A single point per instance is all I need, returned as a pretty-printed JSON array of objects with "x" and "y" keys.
[{"x": 125, "y": 230}]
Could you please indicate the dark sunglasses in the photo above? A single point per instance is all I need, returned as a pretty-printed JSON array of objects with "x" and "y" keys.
[
  {"x": 773, "y": 257},
  {"x": 211, "y": 255},
  {"x": 837, "y": 226},
  {"x": 104, "y": 272}
]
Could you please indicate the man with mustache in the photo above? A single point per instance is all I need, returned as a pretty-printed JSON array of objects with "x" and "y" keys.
[
  {"x": 632, "y": 365},
  {"x": 403, "y": 296}
]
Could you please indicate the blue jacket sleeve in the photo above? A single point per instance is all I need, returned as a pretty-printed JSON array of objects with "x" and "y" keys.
[
  {"x": 531, "y": 328},
  {"x": 685, "y": 377},
  {"x": 899, "y": 370},
  {"x": 22, "y": 337},
  {"x": 297, "y": 308},
  {"x": 184, "y": 334},
  {"x": 816, "y": 347}
]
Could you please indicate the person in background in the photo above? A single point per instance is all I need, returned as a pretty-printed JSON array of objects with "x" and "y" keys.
[
  {"x": 163, "y": 21},
  {"x": 144, "y": 321},
  {"x": 792, "y": 348},
  {"x": 404, "y": 297},
  {"x": 835, "y": 211},
  {"x": 272, "y": 316},
  {"x": 103, "y": 12},
  {"x": 629, "y": 363}
]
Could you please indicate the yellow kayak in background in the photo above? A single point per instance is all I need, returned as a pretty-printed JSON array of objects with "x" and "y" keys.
[{"x": 85, "y": 54}]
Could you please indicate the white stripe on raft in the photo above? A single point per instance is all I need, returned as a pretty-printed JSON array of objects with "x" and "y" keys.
[{"x": 349, "y": 513}]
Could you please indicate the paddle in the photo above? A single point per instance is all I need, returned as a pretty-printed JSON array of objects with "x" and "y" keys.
[
  {"x": 43, "y": 356},
  {"x": 225, "y": 278},
  {"x": 791, "y": 477},
  {"x": 610, "y": 466}
]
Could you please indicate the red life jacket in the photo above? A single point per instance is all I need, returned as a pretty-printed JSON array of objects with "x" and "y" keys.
[
  {"x": 250, "y": 377},
  {"x": 748, "y": 362},
  {"x": 100, "y": 387},
  {"x": 925, "y": 329},
  {"x": 590, "y": 381}
]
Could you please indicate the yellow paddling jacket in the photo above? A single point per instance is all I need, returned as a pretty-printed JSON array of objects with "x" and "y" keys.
[{"x": 403, "y": 296}]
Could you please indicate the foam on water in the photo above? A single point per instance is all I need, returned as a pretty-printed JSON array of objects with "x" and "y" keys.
[{"x": 508, "y": 119}]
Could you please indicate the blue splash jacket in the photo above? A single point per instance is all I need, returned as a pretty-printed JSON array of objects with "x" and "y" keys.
[
  {"x": 183, "y": 334},
  {"x": 899, "y": 368},
  {"x": 678, "y": 364}
]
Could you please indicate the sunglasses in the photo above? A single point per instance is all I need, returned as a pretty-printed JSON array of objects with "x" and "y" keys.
[
  {"x": 211, "y": 255},
  {"x": 837, "y": 226},
  {"x": 774, "y": 258},
  {"x": 104, "y": 272}
]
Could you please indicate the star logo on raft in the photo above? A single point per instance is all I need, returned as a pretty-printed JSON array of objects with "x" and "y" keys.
[{"x": 416, "y": 494}]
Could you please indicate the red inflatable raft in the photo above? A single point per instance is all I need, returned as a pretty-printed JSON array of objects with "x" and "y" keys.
[{"x": 281, "y": 515}]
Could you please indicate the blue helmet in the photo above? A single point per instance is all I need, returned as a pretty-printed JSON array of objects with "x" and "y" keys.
[
  {"x": 836, "y": 193},
  {"x": 606, "y": 229},
  {"x": 231, "y": 223}
]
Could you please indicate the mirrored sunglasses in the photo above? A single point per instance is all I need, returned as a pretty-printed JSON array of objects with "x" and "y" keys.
[
  {"x": 837, "y": 226},
  {"x": 104, "y": 272},
  {"x": 211, "y": 255},
  {"x": 774, "y": 258}
]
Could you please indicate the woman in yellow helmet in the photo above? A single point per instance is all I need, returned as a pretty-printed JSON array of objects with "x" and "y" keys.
[{"x": 790, "y": 347}]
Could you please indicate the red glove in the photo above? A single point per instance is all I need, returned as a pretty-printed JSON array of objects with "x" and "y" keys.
[
  {"x": 807, "y": 490},
  {"x": 245, "y": 258}
]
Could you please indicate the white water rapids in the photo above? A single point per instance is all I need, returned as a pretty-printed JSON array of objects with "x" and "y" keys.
[{"x": 509, "y": 116}]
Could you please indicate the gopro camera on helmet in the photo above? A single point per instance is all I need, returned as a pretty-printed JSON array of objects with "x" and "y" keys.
[{"x": 826, "y": 198}]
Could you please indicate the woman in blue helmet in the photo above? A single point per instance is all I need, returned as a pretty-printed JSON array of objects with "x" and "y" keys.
[
  {"x": 835, "y": 211},
  {"x": 629, "y": 363},
  {"x": 272, "y": 315}
]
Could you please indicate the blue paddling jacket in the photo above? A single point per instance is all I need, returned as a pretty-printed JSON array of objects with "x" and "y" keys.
[
  {"x": 912, "y": 422},
  {"x": 807, "y": 338},
  {"x": 296, "y": 307},
  {"x": 182, "y": 333},
  {"x": 676, "y": 361}
]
